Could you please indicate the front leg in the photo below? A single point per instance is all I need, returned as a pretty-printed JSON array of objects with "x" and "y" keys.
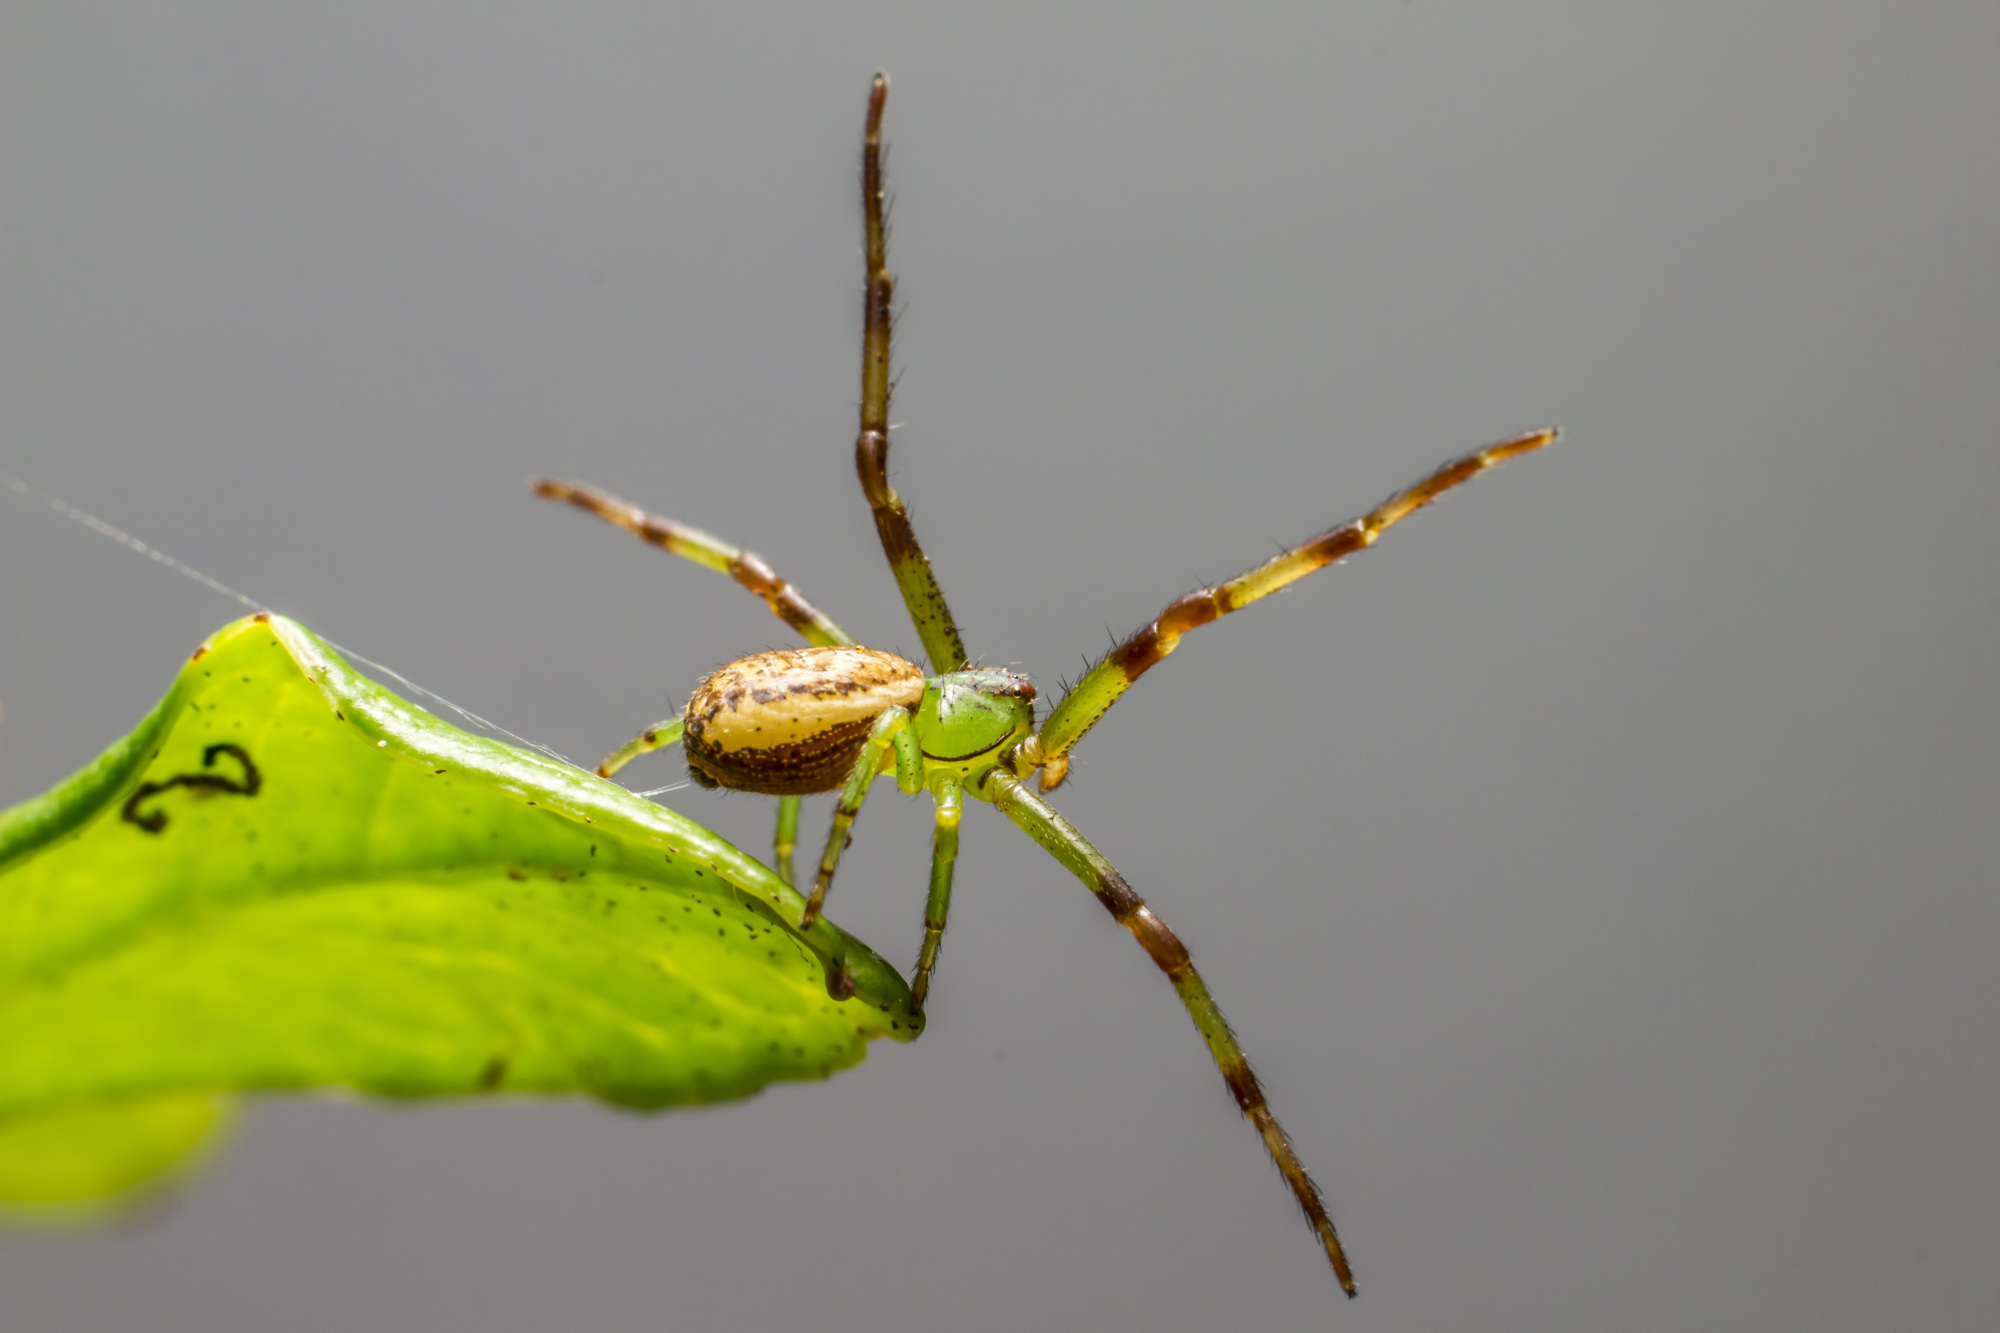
[
  {"x": 1101, "y": 686},
  {"x": 907, "y": 561}
]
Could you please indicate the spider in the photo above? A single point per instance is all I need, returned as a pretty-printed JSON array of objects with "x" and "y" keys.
[{"x": 837, "y": 715}]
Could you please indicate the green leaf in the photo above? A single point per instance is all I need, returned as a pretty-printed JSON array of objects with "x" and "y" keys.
[
  {"x": 287, "y": 877},
  {"x": 84, "y": 1162}
]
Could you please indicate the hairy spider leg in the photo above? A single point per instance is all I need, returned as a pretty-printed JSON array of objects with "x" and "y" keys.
[
  {"x": 748, "y": 568},
  {"x": 1100, "y": 687},
  {"x": 1040, "y": 821},
  {"x": 891, "y": 729},
  {"x": 907, "y": 560},
  {"x": 947, "y": 794}
]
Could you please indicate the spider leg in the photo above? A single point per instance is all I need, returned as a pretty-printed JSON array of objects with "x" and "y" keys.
[
  {"x": 890, "y": 729},
  {"x": 1102, "y": 684},
  {"x": 907, "y": 560},
  {"x": 944, "y": 858},
  {"x": 1059, "y": 837},
  {"x": 656, "y": 737},
  {"x": 662, "y": 734},
  {"x": 746, "y": 567},
  {"x": 786, "y": 837}
]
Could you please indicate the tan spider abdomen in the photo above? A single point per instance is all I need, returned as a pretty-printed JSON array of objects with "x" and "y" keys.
[{"x": 791, "y": 722}]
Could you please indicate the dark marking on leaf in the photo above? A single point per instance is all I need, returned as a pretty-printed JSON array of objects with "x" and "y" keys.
[{"x": 152, "y": 821}]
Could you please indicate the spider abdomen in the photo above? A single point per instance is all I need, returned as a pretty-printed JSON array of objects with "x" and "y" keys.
[{"x": 791, "y": 722}]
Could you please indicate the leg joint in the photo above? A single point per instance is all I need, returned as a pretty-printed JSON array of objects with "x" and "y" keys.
[
  {"x": 1160, "y": 943},
  {"x": 1243, "y": 1086},
  {"x": 755, "y": 573},
  {"x": 871, "y": 460},
  {"x": 1190, "y": 611}
]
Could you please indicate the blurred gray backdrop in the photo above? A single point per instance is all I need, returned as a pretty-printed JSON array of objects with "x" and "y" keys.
[{"x": 1601, "y": 872}]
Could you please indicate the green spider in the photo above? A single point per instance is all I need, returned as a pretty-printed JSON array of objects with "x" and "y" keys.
[{"x": 836, "y": 716}]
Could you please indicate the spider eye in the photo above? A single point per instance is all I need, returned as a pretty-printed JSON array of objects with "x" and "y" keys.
[{"x": 999, "y": 683}]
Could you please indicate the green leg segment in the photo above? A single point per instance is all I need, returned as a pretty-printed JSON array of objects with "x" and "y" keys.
[
  {"x": 1059, "y": 837},
  {"x": 944, "y": 859},
  {"x": 787, "y": 836},
  {"x": 892, "y": 728},
  {"x": 656, "y": 737}
]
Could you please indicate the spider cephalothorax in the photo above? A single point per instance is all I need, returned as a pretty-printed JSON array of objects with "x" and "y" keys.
[{"x": 836, "y": 716}]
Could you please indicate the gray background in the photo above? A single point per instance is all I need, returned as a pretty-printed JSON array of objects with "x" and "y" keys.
[{"x": 1601, "y": 872}]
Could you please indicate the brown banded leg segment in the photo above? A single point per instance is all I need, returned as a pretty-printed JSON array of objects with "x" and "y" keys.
[
  {"x": 1059, "y": 837},
  {"x": 891, "y": 728},
  {"x": 656, "y": 737},
  {"x": 746, "y": 567},
  {"x": 907, "y": 560},
  {"x": 1103, "y": 683},
  {"x": 944, "y": 858}
]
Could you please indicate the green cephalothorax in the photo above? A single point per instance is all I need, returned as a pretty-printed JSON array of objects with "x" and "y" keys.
[
  {"x": 968, "y": 719},
  {"x": 836, "y": 716}
]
